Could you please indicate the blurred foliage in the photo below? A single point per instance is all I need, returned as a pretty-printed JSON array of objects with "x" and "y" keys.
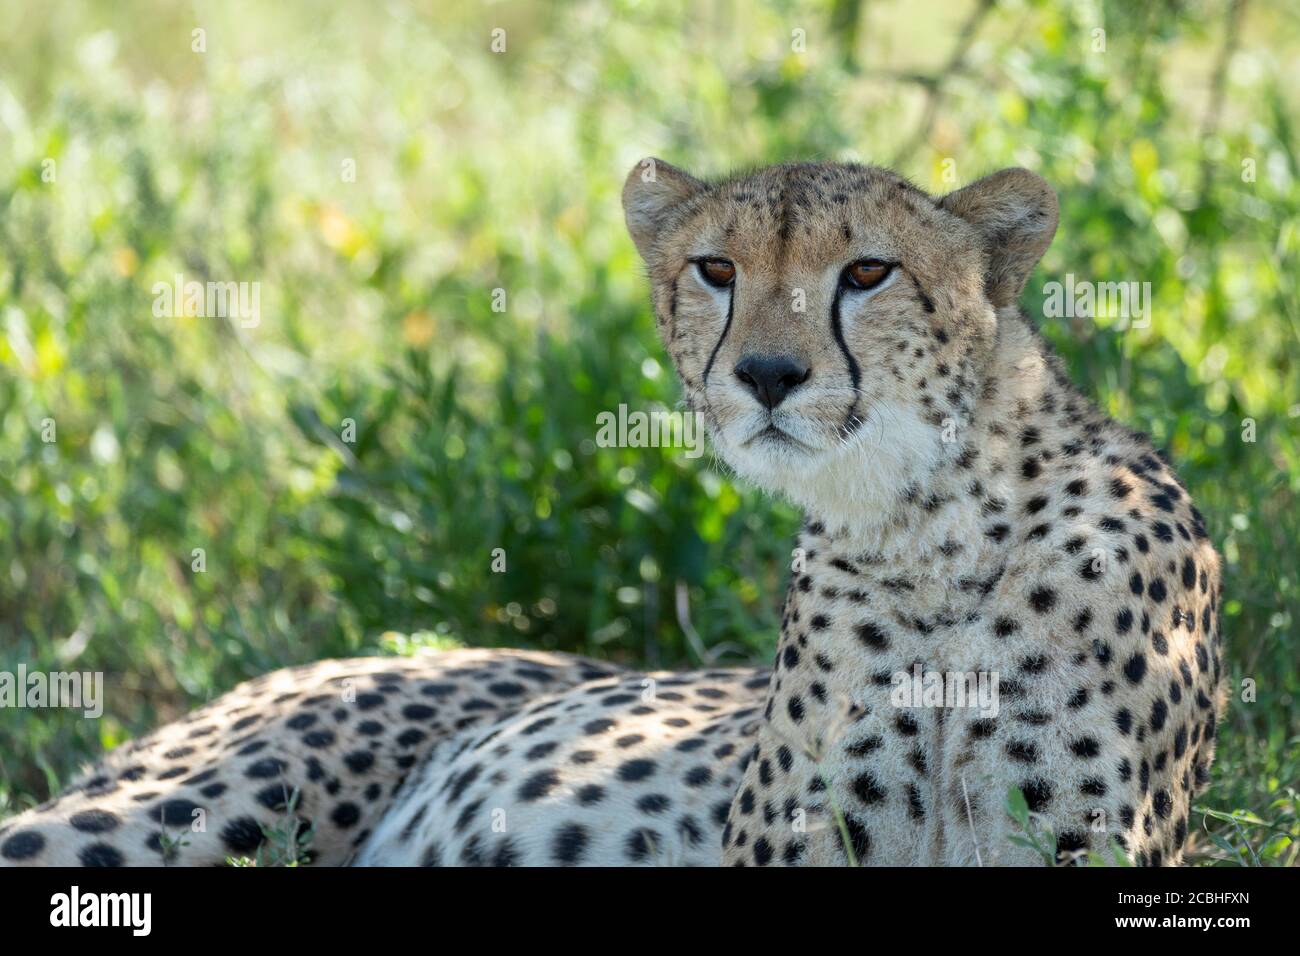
[{"x": 126, "y": 157}]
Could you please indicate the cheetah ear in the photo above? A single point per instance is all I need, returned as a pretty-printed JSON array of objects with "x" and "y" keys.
[
  {"x": 1016, "y": 213},
  {"x": 653, "y": 189}
]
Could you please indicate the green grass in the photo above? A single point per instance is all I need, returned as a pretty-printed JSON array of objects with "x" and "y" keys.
[{"x": 474, "y": 428}]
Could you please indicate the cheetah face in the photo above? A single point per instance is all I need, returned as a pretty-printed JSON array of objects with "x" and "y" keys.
[{"x": 831, "y": 321}]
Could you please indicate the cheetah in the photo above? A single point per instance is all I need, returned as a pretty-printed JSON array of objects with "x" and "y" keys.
[{"x": 995, "y": 589}]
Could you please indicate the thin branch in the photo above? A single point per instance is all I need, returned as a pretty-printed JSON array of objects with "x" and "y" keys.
[
  {"x": 1218, "y": 82},
  {"x": 934, "y": 90}
]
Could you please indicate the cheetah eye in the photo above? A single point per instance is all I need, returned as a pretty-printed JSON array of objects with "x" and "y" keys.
[
  {"x": 718, "y": 273},
  {"x": 866, "y": 273}
]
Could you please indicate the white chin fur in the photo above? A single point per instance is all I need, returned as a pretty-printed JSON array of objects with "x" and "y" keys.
[{"x": 853, "y": 486}]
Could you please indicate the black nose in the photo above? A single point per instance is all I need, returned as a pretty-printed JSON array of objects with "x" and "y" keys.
[{"x": 772, "y": 378}]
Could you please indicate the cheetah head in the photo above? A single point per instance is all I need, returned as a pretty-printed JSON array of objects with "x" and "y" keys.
[{"x": 829, "y": 321}]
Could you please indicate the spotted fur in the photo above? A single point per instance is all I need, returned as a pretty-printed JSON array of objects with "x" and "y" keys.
[
  {"x": 968, "y": 511},
  {"x": 336, "y": 739}
]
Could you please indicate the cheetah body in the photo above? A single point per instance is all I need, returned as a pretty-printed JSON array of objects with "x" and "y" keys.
[{"x": 969, "y": 514}]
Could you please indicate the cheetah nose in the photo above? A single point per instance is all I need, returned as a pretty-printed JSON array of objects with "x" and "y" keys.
[{"x": 772, "y": 378}]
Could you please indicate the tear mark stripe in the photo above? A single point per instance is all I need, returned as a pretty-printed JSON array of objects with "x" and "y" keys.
[
  {"x": 731, "y": 301},
  {"x": 855, "y": 375}
]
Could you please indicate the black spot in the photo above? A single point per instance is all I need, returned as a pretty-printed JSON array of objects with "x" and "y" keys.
[
  {"x": 872, "y": 636},
  {"x": 784, "y": 758},
  {"x": 100, "y": 854},
  {"x": 698, "y": 776},
  {"x": 641, "y": 843},
  {"x": 94, "y": 821},
  {"x": 242, "y": 835},
  {"x": 1005, "y": 627},
  {"x": 275, "y": 797},
  {"x": 1136, "y": 668},
  {"x": 1093, "y": 787},
  {"x": 1159, "y": 711},
  {"x": 432, "y": 855},
  {"x": 410, "y": 737},
  {"x": 1022, "y": 751},
  {"x": 1035, "y": 665},
  {"x": 22, "y": 845},
  {"x": 1042, "y": 599},
  {"x": 359, "y": 761},
  {"x": 1124, "y": 721},
  {"x": 506, "y": 854},
  {"x": 1085, "y": 747},
  {"x": 634, "y": 770},
  {"x": 859, "y": 838},
  {"x": 1068, "y": 844},
  {"x": 653, "y": 803},
  {"x": 905, "y": 724},
  {"x": 865, "y": 746},
  {"x": 266, "y": 767},
  {"x": 175, "y": 812},
  {"x": 570, "y": 844},
  {"x": 1038, "y": 794},
  {"x": 345, "y": 815},
  {"x": 471, "y": 854},
  {"x": 794, "y": 707},
  {"x": 867, "y": 789},
  {"x": 746, "y": 805},
  {"x": 539, "y": 785}
]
